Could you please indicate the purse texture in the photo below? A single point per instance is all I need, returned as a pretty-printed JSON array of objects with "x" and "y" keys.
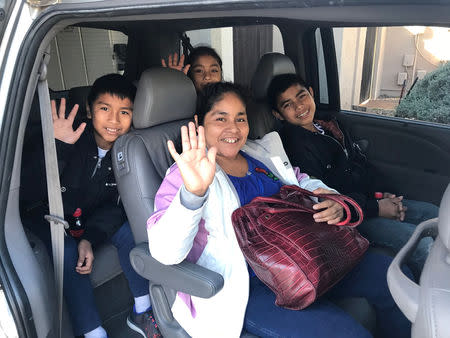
[{"x": 297, "y": 258}]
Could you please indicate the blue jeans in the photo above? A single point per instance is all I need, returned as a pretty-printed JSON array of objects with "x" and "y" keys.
[
  {"x": 78, "y": 291},
  {"x": 394, "y": 234},
  {"x": 323, "y": 319}
]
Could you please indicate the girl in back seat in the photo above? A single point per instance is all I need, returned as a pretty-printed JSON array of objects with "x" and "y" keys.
[
  {"x": 214, "y": 175},
  {"x": 203, "y": 66}
]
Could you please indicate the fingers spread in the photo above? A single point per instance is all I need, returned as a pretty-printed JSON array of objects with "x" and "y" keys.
[
  {"x": 62, "y": 109},
  {"x": 173, "y": 151},
  {"x": 212, "y": 155},
  {"x": 73, "y": 113},
  {"x": 192, "y": 135},
  {"x": 201, "y": 138},
  {"x": 186, "y": 69},
  {"x": 54, "y": 114},
  {"x": 80, "y": 130},
  {"x": 185, "y": 143}
]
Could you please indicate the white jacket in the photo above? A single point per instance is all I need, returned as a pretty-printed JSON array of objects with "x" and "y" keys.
[{"x": 173, "y": 233}]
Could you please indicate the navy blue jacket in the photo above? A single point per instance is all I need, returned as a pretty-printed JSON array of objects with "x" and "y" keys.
[
  {"x": 97, "y": 196},
  {"x": 340, "y": 164}
]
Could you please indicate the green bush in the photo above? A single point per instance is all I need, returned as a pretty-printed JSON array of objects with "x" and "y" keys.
[{"x": 429, "y": 100}]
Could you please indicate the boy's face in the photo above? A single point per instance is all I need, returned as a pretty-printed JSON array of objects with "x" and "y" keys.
[
  {"x": 296, "y": 105},
  {"x": 111, "y": 117}
]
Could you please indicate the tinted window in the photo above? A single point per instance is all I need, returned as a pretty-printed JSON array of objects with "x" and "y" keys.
[{"x": 395, "y": 71}]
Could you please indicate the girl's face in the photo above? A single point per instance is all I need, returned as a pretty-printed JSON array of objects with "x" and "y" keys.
[
  {"x": 205, "y": 69},
  {"x": 226, "y": 126}
]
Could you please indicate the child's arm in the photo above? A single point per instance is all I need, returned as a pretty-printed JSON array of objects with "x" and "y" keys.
[
  {"x": 308, "y": 183},
  {"x": 173, "y": 226},
  {"x": 174, "y": 63},
  {"x": 104, "y": 222}
]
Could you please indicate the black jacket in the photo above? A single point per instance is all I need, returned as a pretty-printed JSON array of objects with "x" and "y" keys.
[
  {"x": 97, "y": 196},
  {"x": 339, "y": 164}
]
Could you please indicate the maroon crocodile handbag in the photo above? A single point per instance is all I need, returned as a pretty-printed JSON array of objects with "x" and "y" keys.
[{"x": 293, "y": 255}]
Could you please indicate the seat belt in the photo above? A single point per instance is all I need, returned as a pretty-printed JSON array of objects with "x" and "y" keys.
[{"x": 56, "y": 217}]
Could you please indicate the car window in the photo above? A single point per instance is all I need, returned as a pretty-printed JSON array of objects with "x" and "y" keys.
[
  {"x": 79, "y": 55},
  {"x": 393, "y": 71},
  {"x": 239, "y": 47}
]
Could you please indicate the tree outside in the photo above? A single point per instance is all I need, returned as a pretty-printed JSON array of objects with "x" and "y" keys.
[{"x": 429, "y": 99}]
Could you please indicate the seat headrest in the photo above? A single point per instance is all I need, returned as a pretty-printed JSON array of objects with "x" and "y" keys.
[
  {"x": 163, "y": 95},
  {"x": 270, "y": 65},
  {"x": 78, "y": 95},
  {"x": 444, "y": 218}
]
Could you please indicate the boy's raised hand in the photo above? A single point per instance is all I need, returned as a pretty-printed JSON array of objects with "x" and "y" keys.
[
  {"x": 62, "y": 126},
  {"x": 174, "y": 63},
  {"x": 197, "y": 167}
]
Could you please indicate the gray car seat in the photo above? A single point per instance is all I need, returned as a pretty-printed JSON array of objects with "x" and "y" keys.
[
  {"x": 427, "y": 304},
  {"x": 259, "y": 113},
  {"x": 165, "y": 100}
]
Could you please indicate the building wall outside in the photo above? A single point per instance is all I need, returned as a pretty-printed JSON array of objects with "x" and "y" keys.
[{"x": 400, "y": 42}]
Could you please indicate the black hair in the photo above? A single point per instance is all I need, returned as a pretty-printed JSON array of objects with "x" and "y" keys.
[
  {"x": 114, "y": 84},
  {"x": 202, "y": 51},
  {"x": 280, "y": 84},
  {"x": 213, "y": 93}
]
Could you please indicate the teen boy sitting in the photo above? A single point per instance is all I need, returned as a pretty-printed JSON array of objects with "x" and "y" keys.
[
  {"x": 323, "y": 149},
  {"x": 88, "y": 183}
]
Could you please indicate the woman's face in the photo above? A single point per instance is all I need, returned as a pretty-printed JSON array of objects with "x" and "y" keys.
[
  {"x": 226, "y": 126},
  {"x": 205, "y": 69}
]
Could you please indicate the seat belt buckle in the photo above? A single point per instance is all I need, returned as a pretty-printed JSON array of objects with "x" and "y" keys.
[{"x": 57, "y": 220}]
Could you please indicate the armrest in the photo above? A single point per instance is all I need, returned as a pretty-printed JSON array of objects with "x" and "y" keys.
[
  {"x": 405, "y": 292},
  {"x": 186, "y": 277}
]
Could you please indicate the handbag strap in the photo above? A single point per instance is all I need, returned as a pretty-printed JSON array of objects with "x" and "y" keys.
[{"x": 342, "y": 200}]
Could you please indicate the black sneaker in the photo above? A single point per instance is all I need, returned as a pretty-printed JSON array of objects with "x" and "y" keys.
[{"x": 144, "y": 324}]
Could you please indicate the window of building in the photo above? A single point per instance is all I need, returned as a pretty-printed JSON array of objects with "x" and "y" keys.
[
  {"x": 395, "y": 71},
  {"x": 80, "y": 55}
]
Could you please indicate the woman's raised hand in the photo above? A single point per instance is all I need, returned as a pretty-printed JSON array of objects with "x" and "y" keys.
[
  {"x": 174, "y": 63},
  {"x": 197, "y": 167},
  {"x": 62, "y": 126}
]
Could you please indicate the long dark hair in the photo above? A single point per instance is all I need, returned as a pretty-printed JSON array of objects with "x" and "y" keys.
[
  {"x": 213, "y": 93},
  {"x": 202, "y": 51}
]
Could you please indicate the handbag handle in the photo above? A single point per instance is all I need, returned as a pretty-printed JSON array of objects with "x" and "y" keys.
[{"x": 340, "y": 199}]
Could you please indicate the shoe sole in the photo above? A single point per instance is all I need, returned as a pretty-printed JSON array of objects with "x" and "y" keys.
[{"x": 135, "y": 328}]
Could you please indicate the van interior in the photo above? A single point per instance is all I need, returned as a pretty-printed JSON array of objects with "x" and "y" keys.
[{"x": 87, "y": 40}]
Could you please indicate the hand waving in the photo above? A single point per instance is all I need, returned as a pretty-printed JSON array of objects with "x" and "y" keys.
[
  {"x": 197, "y": 167},
  {"x": 174, "y": 63},
  {"x": 62, "y": 126}
]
